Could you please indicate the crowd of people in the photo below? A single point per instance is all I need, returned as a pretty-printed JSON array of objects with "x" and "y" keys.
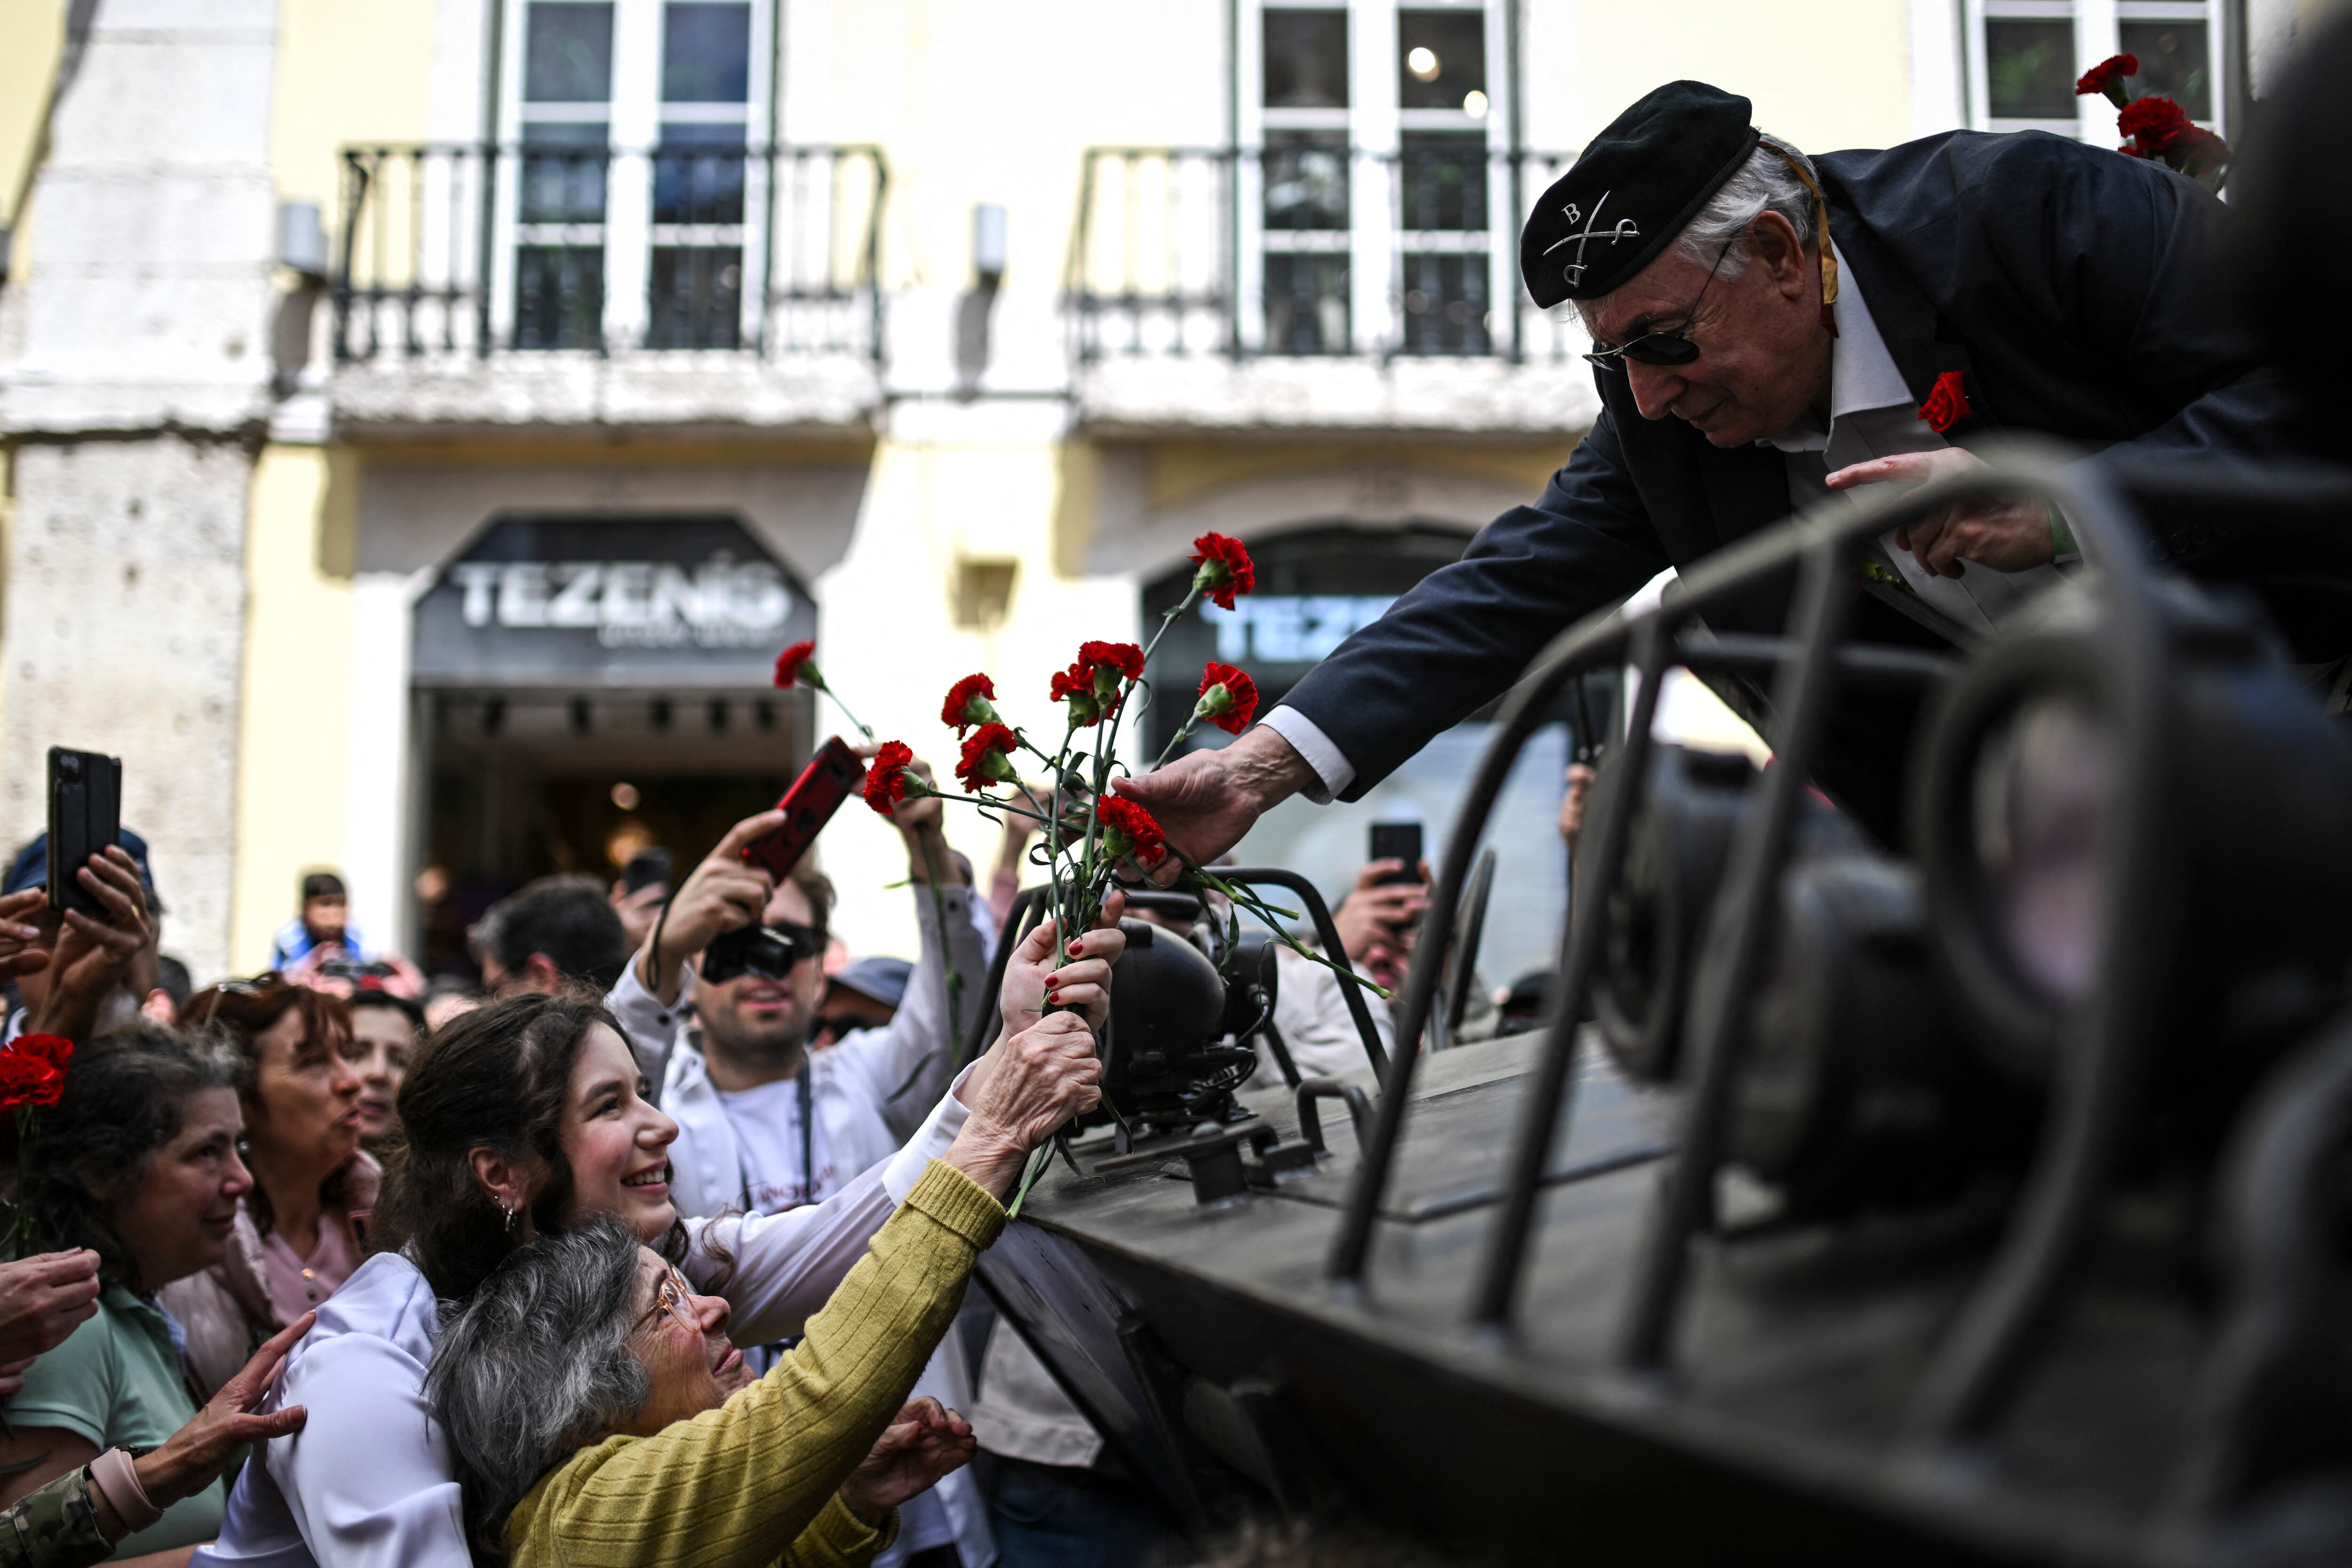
[{"x": 649, "y": 1243}]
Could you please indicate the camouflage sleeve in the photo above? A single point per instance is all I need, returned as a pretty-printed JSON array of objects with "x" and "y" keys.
[{"x": 56, "y": 1527}]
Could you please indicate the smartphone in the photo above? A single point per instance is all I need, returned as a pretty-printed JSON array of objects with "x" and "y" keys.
[
  {"x": 1397, "y": 842},
  {"x": 832, "y": 776},
  {"x": 84, "y": 816}
]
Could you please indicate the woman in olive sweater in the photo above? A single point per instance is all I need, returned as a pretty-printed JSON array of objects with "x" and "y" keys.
[{"x": 586, "y": 1404}]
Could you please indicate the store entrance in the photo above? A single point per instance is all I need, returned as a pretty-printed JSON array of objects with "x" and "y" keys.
[{"x": 525, "y": 785}]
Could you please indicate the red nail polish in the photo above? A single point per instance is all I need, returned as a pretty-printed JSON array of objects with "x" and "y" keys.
[{"x": 1076, "y": 948}]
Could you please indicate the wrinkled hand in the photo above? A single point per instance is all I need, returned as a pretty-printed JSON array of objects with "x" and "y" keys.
[
  {"x": 925, "y": 1444},
  {"x": 2007, "y": 536},
  {"x": 1205, "y": 800},
  {"x": 93, "y": 955},
  {"x": 22, "y": 950},
  {"x": 196, "y": 1455},
  {"x": 725, "y": 893},
  {"x": 42, "y": 1299},
  {"x": 1077, "y": 974},
  {"x": 1378, "y": 924},
  {"x": 1026, "y": 1090},
  {"x": 1571, "y": 804}
]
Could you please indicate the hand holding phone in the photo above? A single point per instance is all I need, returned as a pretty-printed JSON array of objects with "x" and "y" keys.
[
  {"x": 1397, "y": 842},
  {"x": 85, "y": 818},
  {"x": 831, "y": 776}
]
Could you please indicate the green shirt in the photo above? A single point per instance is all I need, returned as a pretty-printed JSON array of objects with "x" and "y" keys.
[{"x": 116, "y": 1382}]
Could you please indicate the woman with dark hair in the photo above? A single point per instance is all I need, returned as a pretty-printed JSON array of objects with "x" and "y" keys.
[
  {"x": 528, "y": 1117},
  {"x": 386, "y": 1030},
  {"x": 295, "y": 1242},
  {"x": 137, "y": 1162}
]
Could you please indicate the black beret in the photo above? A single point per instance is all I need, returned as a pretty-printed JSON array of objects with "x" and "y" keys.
[{"x": 1634, "y": 187}]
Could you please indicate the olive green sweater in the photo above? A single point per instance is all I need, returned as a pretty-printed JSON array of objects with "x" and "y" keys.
[{"x": 752, "y": 1482}]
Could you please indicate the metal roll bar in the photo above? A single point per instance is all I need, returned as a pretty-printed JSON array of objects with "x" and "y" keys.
[{"x": 1976, "y": 1364}]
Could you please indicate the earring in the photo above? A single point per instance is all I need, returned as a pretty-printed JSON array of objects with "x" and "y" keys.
[{"x": 511, "y": 1214}]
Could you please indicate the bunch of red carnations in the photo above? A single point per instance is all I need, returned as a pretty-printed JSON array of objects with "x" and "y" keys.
[{"x": 2157, "y": 128}]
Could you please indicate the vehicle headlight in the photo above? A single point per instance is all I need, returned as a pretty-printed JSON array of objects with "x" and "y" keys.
[{"x": 2016, "y": 835}]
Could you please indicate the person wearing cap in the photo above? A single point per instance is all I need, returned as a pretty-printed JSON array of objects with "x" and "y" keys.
[
  {"x": 1766, "y": 329},
  {"x": 863, "y": 995}
]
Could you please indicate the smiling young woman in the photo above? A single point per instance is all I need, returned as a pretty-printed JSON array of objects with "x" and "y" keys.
[{"x": 297, "y": 1239}]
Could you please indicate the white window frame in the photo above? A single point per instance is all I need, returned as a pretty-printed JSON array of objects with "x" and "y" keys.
[
  {"x": 1372, "y": 125},
  {"x": 634, "y": 117},
  {"x": 2098, "y": 36}
]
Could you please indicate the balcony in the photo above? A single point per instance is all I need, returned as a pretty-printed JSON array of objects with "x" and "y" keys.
[
  {"x": 1311, "y": 285},
  {"x": 692, "y": 286}
]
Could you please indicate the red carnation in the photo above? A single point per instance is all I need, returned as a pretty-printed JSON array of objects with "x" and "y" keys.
[
  {"x": 2151, "y": 123},
  {"x": 793, "y": 662},
  {"x": 1225, "y": 569},
  {"x": 1129, "y": 830},
  {"x": 1947, "y": 402},
  {"x": 1076, "y": 686},
  {"x": 54, "y": 1049},
  {"x": 2108, "y": 77},
  {"x": 1228, "y": 697},
  {"x": 885, "y": 781},
  {"x": 968, "y": 703},
  {"x": 1112, "y": 660},
  {"x": 985, "y": 760},
  {"x": 2196, "y": 151},
  {"x": 28, "y": 1080}
]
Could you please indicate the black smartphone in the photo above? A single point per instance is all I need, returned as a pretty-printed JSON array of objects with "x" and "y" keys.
[
  {"x": 1397, "y": 842},
  {"x": 84, "y": 816},
  {"x": 832, "y": 776}
]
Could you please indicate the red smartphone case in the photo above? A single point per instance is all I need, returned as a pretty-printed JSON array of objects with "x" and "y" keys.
[{"x": 832, "y": 776}]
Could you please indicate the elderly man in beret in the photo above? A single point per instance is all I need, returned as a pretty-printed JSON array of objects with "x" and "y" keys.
[{"x": 1769, "y": 329}]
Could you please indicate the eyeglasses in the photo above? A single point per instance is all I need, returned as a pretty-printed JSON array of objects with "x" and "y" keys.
[
  {"x": 1670, "y": 347},
  {"x": 769, "y": 951},
  {"x": 675, "y": 1297}
]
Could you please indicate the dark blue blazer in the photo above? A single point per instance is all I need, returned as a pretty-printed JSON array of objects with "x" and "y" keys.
[{"x": 2081, "y": 293}]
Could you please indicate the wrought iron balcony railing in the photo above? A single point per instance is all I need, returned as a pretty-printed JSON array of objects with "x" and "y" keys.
[
  {"x": 470, "y": 250},
  {"x": 1309, "y": 246}
]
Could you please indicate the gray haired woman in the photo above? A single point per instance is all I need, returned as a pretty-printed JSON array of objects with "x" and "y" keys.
[{"x": 571, "y": 1386}]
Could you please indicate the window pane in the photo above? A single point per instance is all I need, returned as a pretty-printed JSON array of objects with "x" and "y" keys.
[
  {"x": 1441, "y": 58},
  {"x": 568, "y": 54},
  {"x": 706, "y": 54},
  {"x": 1445, "y": 305},
  {"x": 1306, "y": 180},
  {"x": 563, "y": 173},
  {"x": 697, "y": 297},
  {"x": 1306, "y": 60},
  {"x": 2030, "y": 70},
  {"x": 1306, "y": 304},
  {"x": 698, "y": 175},
  {"x": 2173, "y": 63},
  {"x": 1443, "y": 179},
  {"x": 559, "y": 296}
]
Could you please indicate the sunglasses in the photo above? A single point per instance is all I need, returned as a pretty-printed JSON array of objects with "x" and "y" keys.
[
  {"x": 1671, "y": 346},
  {"x": 768, "y": 951}
]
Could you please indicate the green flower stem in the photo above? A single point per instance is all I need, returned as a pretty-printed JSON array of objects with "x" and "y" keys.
[{"x": 862, "y": 727}]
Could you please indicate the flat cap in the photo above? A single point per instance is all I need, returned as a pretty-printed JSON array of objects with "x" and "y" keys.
[{"x": 1630, "y": 194}]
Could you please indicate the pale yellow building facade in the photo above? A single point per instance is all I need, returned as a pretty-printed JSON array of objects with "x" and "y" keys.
[{"x": 424, "y": 417}]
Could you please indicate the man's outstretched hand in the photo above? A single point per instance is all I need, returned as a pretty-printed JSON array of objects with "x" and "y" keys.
[
  {"x": 1206, "y": 800},
  {"x": 2007, "y": 536}
]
